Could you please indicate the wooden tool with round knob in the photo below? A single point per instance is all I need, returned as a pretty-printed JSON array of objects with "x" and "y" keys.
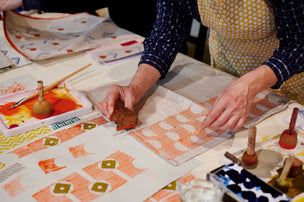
[
  {"x": 250, "y": 158},
  {"x": 289, "y": 137}
]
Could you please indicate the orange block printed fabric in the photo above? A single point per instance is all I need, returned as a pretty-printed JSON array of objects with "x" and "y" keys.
[
  {"x": 179, "y": 137},
  {"x": 85, "y": 162}
]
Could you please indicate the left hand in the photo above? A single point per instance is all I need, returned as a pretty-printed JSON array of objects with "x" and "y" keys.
[{"x": 232, "y": 106}]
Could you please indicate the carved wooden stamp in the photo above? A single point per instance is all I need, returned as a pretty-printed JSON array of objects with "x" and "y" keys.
[{"x": 124, "y": 118}]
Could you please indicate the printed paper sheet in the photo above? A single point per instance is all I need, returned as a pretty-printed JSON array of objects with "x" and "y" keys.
[{"x": 120, "y": 51}]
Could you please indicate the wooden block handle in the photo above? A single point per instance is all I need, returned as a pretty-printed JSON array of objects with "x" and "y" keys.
[
  {"x": 251, "y": 141},
  {"x": 286, "y": 168},
  {"x": 293, "y": 119},
  {"x": 40, "y": 90}
]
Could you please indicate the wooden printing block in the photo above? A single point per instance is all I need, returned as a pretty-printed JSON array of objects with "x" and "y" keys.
[{"x": 124, "y": 118}]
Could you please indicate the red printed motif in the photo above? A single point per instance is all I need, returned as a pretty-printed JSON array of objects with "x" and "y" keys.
[
  {"x": 79, "y": 151},
  {"x": 48, "y": 166},
  {"x": 14, "y": 187}
]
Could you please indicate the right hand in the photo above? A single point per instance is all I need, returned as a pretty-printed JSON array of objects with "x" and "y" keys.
[
  {"x": 117, "y": 94},
  {"x": 9, "y": 4},
  {"x": 144, "y": 78}
]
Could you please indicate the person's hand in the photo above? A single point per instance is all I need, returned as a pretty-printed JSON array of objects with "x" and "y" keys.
[
  {"x": 145, "y": 77},
  {"x": 232, "y": 106},
  {"x": 118, "y": 95},
  {"x": 9, "y": 4}
]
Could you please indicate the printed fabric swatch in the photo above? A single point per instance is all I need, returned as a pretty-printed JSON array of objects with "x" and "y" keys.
[
  {"x": 179, "y": 137},
  {"x": 170, "y": 124},
  {"x": 40, "y": 38},
  {"x": 85, "y": 162},
  {"x": 118, "y": 52},
  {"x": 170, "y": 192},
  {"x": 14, "y": 58},
  {"x": 4, "y": 61},
  {"x": 266, "y": 104},
  {"x": 18, "y": 84}
]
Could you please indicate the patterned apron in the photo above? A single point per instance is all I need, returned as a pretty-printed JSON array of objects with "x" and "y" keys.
[{"x": 242, "y": 37}]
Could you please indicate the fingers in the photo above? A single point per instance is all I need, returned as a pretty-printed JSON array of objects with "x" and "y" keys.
[
  {"x": 104, "y": 109},
  {"x": 108, "y": 104},
  {"x": 225, "y": 121},
  {"x": 129, "y": 105},
  {"x": 117, "y": 97},
  {"x": 227, "y": 114},
  {"x": 234, "y": 124},
  {"x": 213, "y": 115},
  {"x": 112, "y": 98}
]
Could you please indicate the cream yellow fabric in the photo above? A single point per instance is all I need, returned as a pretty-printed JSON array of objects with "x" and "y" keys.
[{"x": 242, "y": 37}]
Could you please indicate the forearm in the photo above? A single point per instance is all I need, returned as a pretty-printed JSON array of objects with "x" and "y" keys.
[
  {"x": 162, "y": 46},
  {"x": 144, "y": 79}
]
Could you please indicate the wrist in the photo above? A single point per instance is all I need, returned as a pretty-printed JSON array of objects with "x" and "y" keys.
[
  {"x": 260, "y": 79},
  {"x": 144, "y": 79}
]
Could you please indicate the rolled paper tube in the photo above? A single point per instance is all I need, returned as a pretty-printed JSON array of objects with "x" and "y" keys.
[{"x": 251, "y": 141}]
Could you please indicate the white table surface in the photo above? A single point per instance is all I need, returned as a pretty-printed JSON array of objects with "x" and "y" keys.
[
  {"x": 98, "y": 75},
  {"x": 185, "y": 77}
]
